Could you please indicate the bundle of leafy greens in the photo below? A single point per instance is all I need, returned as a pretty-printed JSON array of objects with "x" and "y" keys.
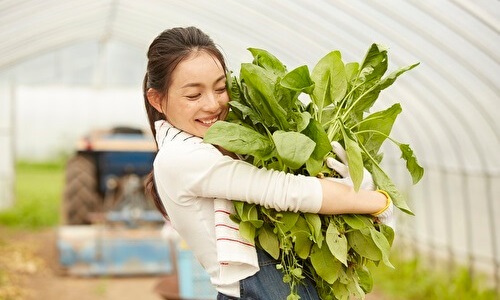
[{"x": 272, "y": 128}]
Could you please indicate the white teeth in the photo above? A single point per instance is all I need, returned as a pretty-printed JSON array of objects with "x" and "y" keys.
[{"x": 209, "y": 121}]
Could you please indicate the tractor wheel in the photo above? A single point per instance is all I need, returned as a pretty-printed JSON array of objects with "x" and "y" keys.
[{"x": 81, "y": 196}]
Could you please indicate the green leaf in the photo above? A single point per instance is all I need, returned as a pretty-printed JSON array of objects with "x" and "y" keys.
[
  {"x": 353, "y": 284},
  {"x": 246, "y": 112},
  {"x": 267, "y": 61},
  {"x": 297, "y": 272},
  {"x": 351, "y": 71},
  {"x": 238, "y": 139},
  {"x": 314, "y": 223},
  {"x": 316, "y": 132},
  {"x": 269, "y": 241},
  {"x": 416, "y": 171},
  {"x": 239, "y": 207},
  {"x": 294, "y": 148},
  {"x": 388, "y": 232},
  {"x": 260, "y": 87},
  {"x": 354, "y": 159},
  {"x": 385, "y": 183},
  {"x": 374, "y": 65},
  {"x": 314, "y": 166},
  {"x": 249, "y": 220},
  {"x": 247, "y": 231},
  {"x": 299, "y": 80},
  {"x": 362, "y": 242},
  {"x": 378, "y": 126},
  {"x": 382, "y": 243},
  {"x": 337, "y": 243},
  {"x": 330, "y": 80},
  {"x": 249, "y": 212},
  {"x": 363, "y": 103},
  {"x": 325, "y": 264},
  {"x": 301, "y": 234},
  {"x": 256, "y": 223},
  {"x": 287, "y": 220},
  {"x": 233, "y": 87},
  {"x": 366, "y": 89},
  {"x": 328, "y": 115},
  {"x": 293, "y": 297},
  {"x": 365, "y": 278},
  {"x": 389, "y": 80},
  {"x": 357, "y": 221},
  {"x": 301, "y": 120},
  {"x": 340, "y": 290}
]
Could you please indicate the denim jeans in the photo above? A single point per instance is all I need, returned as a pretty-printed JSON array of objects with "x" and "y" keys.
[{"x": 267, "y": 284}]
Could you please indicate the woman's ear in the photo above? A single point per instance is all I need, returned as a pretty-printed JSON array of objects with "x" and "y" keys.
[{"x": 154, "y": 98}]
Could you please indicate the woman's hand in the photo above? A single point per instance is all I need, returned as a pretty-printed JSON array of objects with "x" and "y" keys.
[
  {"x": 387, "y": 216},
  {"x": 343, "y": 169}
]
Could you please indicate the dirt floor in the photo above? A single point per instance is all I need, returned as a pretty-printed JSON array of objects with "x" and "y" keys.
[
  {"x": 28, "y": 271},
  {"x": 30, "y": 259}
]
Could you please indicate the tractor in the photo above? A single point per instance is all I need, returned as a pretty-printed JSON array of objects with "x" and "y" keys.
[
  {"x": 109, "y": 226},
  {"x": 106, "y": 175}
]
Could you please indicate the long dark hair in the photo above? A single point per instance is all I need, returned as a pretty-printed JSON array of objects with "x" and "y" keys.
[{"x": 165, "y": 52}]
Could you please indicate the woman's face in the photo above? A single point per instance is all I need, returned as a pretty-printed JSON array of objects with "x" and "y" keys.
[{"x": 197, "y": 95}]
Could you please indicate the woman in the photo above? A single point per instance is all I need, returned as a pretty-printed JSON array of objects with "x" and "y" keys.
[{"x": 185, "y": 93}]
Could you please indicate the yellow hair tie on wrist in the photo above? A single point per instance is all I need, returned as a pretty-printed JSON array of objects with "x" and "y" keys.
[{"x": 387, "y": 204}]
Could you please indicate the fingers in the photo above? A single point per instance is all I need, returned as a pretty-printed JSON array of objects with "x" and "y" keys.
[
  {"x": 339, "y": 167},
  {"x": 367, "y": 183},
  {"x": 339, "y": 150},
  {"x": 388, "y": 217}
]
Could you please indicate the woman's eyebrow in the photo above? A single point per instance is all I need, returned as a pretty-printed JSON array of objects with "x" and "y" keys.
[
  {"x": 191, "y": 84},
  {"x": 222, "y": 77},
  {"x": 196, "y": 84}
]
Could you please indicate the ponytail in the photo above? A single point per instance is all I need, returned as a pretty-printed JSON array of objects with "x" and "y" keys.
[
  {"x": 149, "y": 182},
  {"x": 152, "y": 193}
]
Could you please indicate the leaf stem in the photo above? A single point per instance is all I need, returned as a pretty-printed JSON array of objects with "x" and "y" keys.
[
  {"x": 348, "y": 110},
  {"x": 378, "y": 132}
]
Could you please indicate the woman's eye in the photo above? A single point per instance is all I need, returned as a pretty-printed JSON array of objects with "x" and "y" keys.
[
  {"x": 221, "y": 90},
  {"x": 193, "y": 97}
]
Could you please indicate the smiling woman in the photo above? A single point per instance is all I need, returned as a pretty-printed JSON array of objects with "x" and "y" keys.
[{"x": 195, "y": 183}]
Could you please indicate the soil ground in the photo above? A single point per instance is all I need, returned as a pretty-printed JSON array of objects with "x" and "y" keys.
[
  {"x": 29, "y": 271},
  {"x": 31, "y": 260}
]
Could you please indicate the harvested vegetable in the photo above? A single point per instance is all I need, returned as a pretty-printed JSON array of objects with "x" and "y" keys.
[{"x": 272, "y": 128}]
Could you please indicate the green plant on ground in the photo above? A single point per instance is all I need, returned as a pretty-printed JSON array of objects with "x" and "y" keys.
[
  {"x": 38, "y": 191},
  {"x": 412, "y": 279}
]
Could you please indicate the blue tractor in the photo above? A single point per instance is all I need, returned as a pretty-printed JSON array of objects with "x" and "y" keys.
[
  {"x": 106, "y": 174},
  {"x": 109, "y": 226}
]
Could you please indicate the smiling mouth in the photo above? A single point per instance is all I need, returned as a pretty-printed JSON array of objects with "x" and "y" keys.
[{"x": 209, "y": 121}]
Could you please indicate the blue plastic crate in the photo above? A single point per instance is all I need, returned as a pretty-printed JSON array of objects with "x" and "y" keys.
[
  {"x": 88, "y": 250},
  {"x": 194, "y": 281}
]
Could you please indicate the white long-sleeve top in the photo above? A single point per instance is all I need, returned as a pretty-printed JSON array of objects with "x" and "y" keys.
[{"x": 190, "y": 175}]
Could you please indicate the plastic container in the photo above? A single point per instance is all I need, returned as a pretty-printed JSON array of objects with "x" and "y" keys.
[{"x": 194, "y": 281}]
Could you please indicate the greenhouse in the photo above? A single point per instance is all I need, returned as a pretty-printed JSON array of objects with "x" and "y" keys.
[{"x": 69, "y": 67}]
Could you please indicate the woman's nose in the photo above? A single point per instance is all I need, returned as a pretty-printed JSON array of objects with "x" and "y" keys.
[{"x": 212, "y": 102}]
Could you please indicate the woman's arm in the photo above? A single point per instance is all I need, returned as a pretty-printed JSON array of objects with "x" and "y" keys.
[
  {"x": 185, "y": 171},
  {"x": 339, "y": 198}
]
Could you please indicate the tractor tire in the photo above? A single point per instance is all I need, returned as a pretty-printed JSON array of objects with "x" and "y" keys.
[{"x": 81, "y": 196}]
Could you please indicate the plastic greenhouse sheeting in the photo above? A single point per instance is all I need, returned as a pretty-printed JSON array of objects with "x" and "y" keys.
[{"x": 450, "y": 101}]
